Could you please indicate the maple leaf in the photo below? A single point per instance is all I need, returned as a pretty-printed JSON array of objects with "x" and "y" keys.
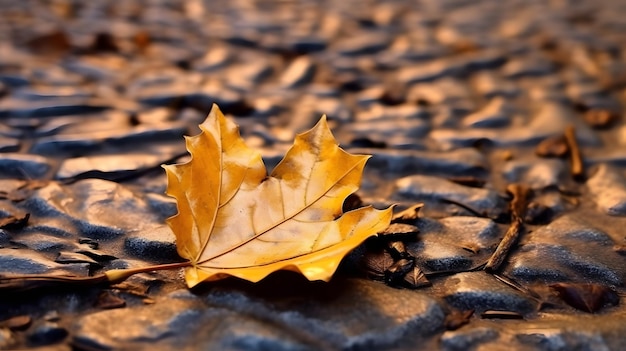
[{"x": 235, "y": 220}]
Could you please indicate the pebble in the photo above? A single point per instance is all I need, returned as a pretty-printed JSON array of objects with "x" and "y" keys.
[
  {"x": 297, "y": 73},
  {"x": 44, "y": 93},
  {"x": 14, "y": 107},
  {"x": 152, "y": 244},
  {"x": 47, "y": 333},
  {"x": 427, "y": 72},
  {"x": 21, "y": 166},
  {"x": 527, "y": 67},
  {"x": 453, "y": 244},
  {"x": 41, "y": 242},
  {"x": 189, "y": 320},
  {"x": 454, "y": 163},
  {"x": 490, "y": 85},
  {"x": 552, "y": 119},
  {"x": 607, "y": 187},
  {"x": 214, "y": 59},
  {"x": 384, "y": 127},
  {"x": 464, "y": 339},
  {"x": 84, "y": 202},
  {"x": 563, "y": 251},
  {"x": 247, "y": 74},
  {"x": 423, "y": 188},
  {"x": 19, "y": 261},
  {"x": 539, "y": 174},
  {"x": 111, "y": 164},
  {"x": 480, "y": 291},
  {"x": 363, "y": 44}
]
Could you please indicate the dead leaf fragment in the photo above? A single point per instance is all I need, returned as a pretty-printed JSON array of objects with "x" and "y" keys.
[
  {"x": 235, "y": 220},
  {"x": 586, "y": 297},
  {"x": 408, "y": 216}
]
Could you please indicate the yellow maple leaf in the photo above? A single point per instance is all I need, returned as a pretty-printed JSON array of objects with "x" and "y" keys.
[{"x": 235, "y": 220}]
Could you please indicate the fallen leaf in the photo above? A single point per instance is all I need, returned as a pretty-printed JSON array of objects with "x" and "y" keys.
[
  {"x": 395, "y": 274},
  {"x": 374, "y": 264},
  {"x": 408, "y": 216},
  {"x": 588, "y": 297},
  {"x": 235, "y": 220},
  {"x": 415, "y": 278}
]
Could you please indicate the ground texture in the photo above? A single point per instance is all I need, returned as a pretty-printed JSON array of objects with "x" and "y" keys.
[{"x": 456, "y": 100}]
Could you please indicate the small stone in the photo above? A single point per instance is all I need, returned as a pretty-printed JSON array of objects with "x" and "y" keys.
[
  {"x": 299, "y": 72},
  {"x": 427, "y": 72},
  {"x": 119, "y": 165},
  {"x": 565, "y": 250},
  {"x": 9, "y": 144},
  {"x": 52, "y": 92},
  {"x": 608, "y": 189},
  {"x": 362, "y": 44},
  {"x": 90, "y": 200},
  {"x": 466, "y": 161},
  {"x": 47, "y": 333},
  {"x": 246, "y": 75},
  {"x": 497, "y": 113},
  {"x": 212, "y": 92},
  {"x": 554, "y": 146},
  {"x": 14, "y": 223},
  {"x": 481, "y": 291},
  {"x": 538, "y": 174},
  {"x": 490, "y": 86},
  {"x": 107, "y": 301},
  {"x": 17, "y": 323},
  {"x": 428, "y": 188},
  {"x": 152, "y": 243},
  {"x": 597, "y": 118},
  {"x": 215, "y": 58},
  {"x": 14, "y": 107},
  {"x": 7, "y": 339},
  {"x": 25, "y": 262},
  {"x": 527, "y": 67},
  {"x": 306, "y": 44},
  {"x": 23, "y": 166},
  {"x": 483, "y": 60},
  {"x": 467, "y": 338},
  {"x": 383, "y": 127},
  {"x": 41, "y": 242}
]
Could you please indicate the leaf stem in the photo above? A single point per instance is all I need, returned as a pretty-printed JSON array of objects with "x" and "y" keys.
[
  {"x": 115, "y": 276},
  {"x": 17, "y": 283}
]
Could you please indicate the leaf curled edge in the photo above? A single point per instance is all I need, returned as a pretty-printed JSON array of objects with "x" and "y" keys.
[{"x": 234, "y": 220}]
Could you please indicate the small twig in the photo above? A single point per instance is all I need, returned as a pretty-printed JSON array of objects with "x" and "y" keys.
[
  {"x": 518, "y": 207},
  {"x": 576, "y": 160}
]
